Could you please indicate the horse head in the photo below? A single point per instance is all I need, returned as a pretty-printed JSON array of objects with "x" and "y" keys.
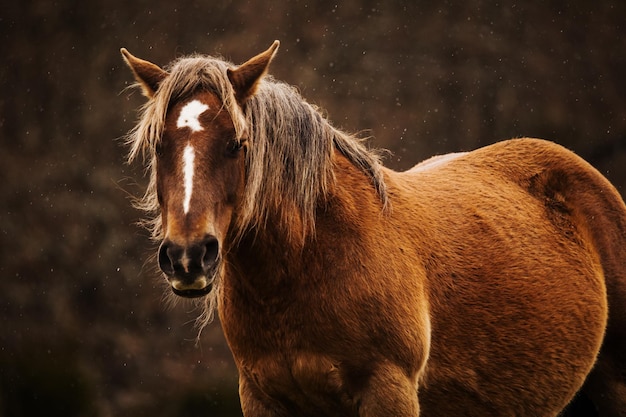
[{"x": 198, "y": 159}]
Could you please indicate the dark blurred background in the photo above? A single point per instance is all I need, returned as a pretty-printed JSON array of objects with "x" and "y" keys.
[{"x": 84, "y": 330}]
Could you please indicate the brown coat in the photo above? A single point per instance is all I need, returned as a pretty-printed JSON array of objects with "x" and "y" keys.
[{"x": 486, "y": 283}]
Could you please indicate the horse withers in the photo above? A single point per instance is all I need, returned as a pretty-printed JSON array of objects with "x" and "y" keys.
[{"x": 487, "y": 283}]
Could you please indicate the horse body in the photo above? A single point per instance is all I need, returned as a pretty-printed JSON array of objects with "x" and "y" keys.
[
  {"x": 505, "y": 323},
  {"x": 474, "y": 284}
]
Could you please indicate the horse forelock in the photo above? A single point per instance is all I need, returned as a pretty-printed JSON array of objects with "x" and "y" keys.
[{"x": 289, "y": 164}]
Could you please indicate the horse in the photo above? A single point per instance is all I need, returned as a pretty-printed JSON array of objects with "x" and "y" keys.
[{"x": 482, "y": 283}]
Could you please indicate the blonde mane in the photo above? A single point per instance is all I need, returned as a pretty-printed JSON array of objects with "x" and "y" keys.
[{"x": 289, "y": 160}]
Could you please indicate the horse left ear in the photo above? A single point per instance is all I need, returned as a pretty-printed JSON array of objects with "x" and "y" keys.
[
  {"x": 147, "y": 74},
  {"x": 246, "y": 77}
]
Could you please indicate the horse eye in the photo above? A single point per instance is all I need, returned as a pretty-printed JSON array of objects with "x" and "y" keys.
[{"x": 234, "y": 146}]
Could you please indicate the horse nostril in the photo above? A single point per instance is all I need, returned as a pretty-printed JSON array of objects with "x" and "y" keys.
[
  {"x": 166, "y": 261},
  {"x": 211, "y": 253}
]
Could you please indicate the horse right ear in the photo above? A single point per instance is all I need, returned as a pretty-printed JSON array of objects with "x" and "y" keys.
[
  {"x": 147, "y": 74},
  {"x": 246, "y": 77}
]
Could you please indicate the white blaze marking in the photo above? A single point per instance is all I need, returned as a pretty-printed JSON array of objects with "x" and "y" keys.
[
  {"x": 189, "y": 115},
  {"x": 188, "y": 157}
]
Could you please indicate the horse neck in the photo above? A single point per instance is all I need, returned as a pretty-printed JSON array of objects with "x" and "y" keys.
[{"x": 267, "y": 257}]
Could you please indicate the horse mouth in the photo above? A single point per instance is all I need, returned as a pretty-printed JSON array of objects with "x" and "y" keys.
[
  {"x": 193, "y": 292},
  {"x": 198, "y": 287}
]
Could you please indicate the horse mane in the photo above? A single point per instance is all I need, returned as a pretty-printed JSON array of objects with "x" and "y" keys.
[{"x": 289, "y": 162}]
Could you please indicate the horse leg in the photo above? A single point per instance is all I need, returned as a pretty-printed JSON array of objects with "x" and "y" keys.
[
  {"x": 389, "y": 392},
  {"x": 606, "y": 385},
  {"x": 251, "y": 403}
]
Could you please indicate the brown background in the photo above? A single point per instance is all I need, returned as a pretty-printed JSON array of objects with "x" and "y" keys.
[{"x": 84, "y": 330}]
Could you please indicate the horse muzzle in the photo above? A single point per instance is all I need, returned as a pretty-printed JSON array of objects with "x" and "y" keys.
[{"x": 190, "y": 269}]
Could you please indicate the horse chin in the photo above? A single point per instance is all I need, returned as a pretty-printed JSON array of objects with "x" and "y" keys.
[{"x": 193, "y": 293}]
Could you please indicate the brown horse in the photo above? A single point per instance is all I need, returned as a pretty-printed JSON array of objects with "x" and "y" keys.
[{"x": 475, "y": 284}]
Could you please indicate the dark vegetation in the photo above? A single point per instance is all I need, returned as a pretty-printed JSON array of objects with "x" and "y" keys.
[{"x": 84, "y": 330}]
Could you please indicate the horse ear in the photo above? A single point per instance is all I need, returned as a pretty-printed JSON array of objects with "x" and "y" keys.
[
  {"x": 147, "y": 74},
  {"x": 246, "y": 77}
]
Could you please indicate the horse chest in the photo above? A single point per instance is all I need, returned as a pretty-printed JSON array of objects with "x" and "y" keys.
[
  {"x": 305, "y": 383},
  {"x": 284, "y": 362}
]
